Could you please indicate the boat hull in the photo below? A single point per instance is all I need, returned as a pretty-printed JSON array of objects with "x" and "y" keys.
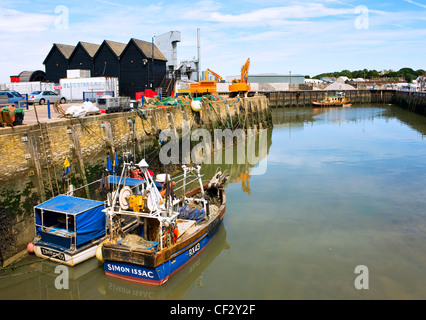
[
  {"x": 333, "y": 103},
  {"x": 69, "y": 259},
  {"x": 159, "y": 275}
]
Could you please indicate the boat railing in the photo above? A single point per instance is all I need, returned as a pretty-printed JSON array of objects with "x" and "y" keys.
[{"x": 191, "y": 173}]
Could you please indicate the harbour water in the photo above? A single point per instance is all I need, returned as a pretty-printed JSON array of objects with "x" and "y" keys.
[{"x": 343, "y": 187}]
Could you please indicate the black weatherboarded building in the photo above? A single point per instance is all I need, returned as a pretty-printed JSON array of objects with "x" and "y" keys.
[
  {"x": 56, "y": 63},
  {"x": 107, "y": 59},
  {"x": 82, "y": 57},
  {"x": 142, "y": 66},
  {"x": 139, "y": 65}
]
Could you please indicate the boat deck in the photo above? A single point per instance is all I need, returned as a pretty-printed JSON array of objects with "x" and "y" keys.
[{"x": 191, "y": 232}]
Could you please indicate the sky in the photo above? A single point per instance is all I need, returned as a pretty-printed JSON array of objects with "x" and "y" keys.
[{"x": 302, "y": 37}]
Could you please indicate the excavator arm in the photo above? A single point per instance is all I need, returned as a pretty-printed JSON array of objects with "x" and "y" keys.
[
  {"x": 239, "y": 86},
  {"x": 218, "y": 77},
  {"x": 244, "y": 71},
  {"x": 205, "y": 86}
]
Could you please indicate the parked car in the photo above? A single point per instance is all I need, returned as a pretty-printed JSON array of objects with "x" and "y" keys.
[
  {"x": 42, "y": 97},
  {"x": 10, "y": 97}
]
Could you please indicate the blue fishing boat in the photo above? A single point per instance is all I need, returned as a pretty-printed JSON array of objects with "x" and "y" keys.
[
  {"x": 68, "y": 229},
  {"x": 172, "y": 230}
]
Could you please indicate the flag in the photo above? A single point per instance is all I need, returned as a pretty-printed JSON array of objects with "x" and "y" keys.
[
  {"x": 65, "y": 170},
  {"x": 109, "y": 165},
  {"x": 116, "y": 163},
  {"x": 67, "y": 166}
]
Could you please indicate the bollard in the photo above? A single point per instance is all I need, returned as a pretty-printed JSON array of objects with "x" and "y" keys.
[
  {"x": 26, "y": 98},
  {"x": 48, "y": 109}
]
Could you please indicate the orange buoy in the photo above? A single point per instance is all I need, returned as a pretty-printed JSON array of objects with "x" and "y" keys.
[{"x": 30, "y": 247}]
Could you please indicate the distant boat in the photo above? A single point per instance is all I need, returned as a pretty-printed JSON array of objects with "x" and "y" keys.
[
  {"x": 172, "y": 230},
  {"x": 334, "y": 101}
]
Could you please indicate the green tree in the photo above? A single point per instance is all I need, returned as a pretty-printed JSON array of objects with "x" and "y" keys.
[
  {"x": 408, "y": 74},
  {"x": 372, "y": 74},
  {"x": 420, "y": 72},
  {"x": 346, "y": 73}
]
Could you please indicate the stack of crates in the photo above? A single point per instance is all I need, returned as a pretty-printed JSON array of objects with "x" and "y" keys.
[{"x": 113, "y": 104}]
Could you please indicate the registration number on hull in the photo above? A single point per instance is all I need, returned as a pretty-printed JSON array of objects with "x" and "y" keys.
[
  {"x": 53, "y": 254},
  {"x": 194, "y": 249}
]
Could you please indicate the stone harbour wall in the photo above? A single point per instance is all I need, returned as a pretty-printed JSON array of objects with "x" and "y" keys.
[{"x": 32, "y": 156}]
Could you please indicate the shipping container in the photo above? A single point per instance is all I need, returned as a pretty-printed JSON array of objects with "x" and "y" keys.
[
  {"x": 78, "y": 73},
  {"x": 73, "y": 89}
]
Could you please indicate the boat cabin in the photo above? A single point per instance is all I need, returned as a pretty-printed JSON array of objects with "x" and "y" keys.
[{"x": 69, "y": 223}]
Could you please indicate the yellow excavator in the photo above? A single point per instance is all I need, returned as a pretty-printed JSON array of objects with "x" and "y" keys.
[
  {"x": 206, "y": 86},
  {"x": 240, "y": 86}
]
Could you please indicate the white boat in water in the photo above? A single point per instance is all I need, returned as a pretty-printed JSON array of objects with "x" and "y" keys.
[{"x": 69, "y": 229}]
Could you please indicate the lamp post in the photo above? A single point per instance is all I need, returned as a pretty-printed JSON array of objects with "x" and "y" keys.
[
  {"x": 152, "y": 58},
  {"x": 145, "y": 62}
]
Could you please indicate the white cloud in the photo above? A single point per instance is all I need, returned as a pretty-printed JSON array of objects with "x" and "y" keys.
[
  {"x": 14, "y": 21},
  {"x": 416, "y": 3},
  {"x": 268, "y": 15}
]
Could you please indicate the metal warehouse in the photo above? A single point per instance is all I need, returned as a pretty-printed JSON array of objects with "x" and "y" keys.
[{"x": 293, "y": 79}]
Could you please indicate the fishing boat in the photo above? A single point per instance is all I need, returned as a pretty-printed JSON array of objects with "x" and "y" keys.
[
  {"x": 69, "y": 229},
  {"x": 334, "y": 101},
  {"x": 172, "y": 230}
]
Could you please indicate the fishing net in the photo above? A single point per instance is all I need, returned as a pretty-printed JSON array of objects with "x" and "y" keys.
[{"x": 135, "y": 241}]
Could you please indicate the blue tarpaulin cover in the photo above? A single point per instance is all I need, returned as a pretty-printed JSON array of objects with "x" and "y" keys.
[
  {"x": 188, "y": 213},
  {"x": 132, "y": 182},
  {"x": 89, "y": 218}
]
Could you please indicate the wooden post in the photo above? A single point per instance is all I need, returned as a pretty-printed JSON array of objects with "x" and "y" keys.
[
  {"x": 38, "y": 174},
  {"x": 77, "y": 150}
]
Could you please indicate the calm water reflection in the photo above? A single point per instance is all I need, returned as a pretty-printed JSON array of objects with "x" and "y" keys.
[{"x": 343, "y": 187}]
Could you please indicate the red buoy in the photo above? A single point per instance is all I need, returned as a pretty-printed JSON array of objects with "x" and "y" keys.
[{"x": 30, "y": 247}]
